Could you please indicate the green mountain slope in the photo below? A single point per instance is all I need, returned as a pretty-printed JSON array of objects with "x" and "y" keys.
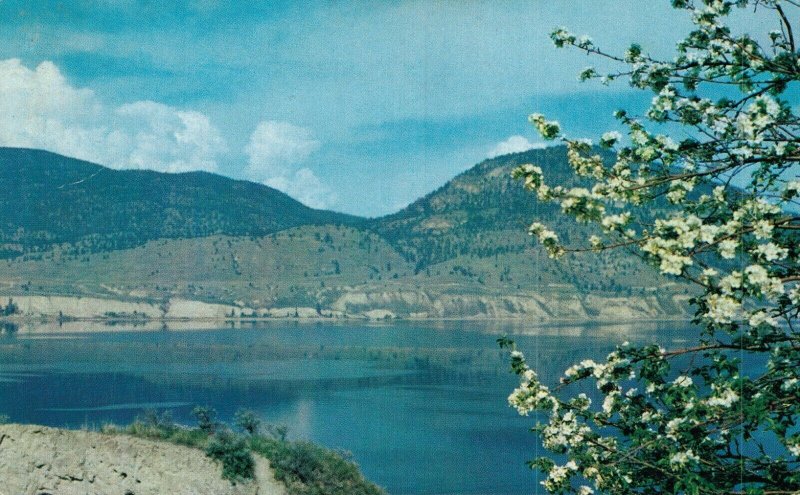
[
  {"x": 461, "y": 251},
  {"x": 297, "y": 266},
  {"x": 483, "y": 214},
  {"x": 51, "y": 199},
  {"x": 463, "y": 216}
]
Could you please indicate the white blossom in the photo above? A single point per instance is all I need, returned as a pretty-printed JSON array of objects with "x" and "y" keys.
[
  {"x": 760, "y": 318},
  {"x": 722, "y": 398},
  {"x": 727, "y": 248},
  {"x": 680, "y": 459},
  {"x": 610, "y": 139},
  {"x": 683, "y": 381},
  {"x": 714, "y": 203},
  {"x": 771, "y": 251},
  {"x": 722, "y": 309}
]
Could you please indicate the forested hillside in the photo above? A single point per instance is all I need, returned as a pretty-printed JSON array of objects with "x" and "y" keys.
[
  {"x": 50, "y": 199},
  {"x": 137, "y": 235}
]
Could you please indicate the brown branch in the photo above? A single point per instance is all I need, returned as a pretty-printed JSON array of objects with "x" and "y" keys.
[{"x": 786, "y": 23}]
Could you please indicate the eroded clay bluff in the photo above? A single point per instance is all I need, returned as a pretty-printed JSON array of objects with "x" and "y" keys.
[{"x": 36, "y": 460}]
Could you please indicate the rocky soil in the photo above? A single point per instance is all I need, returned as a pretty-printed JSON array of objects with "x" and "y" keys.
[{"x": 36, "y": 460}]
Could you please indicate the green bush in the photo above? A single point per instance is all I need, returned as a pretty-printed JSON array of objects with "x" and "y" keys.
[
  {"x": 151, "y": 418},
  {"x": 234, "y": 454},
  {"x": 153, "y": 426},
  {"x": 308, "y": 469},
  {"x": 206, "y": 418},
  {"x": 278, "y": 432},
  {"x": 248, "y": 421},
  {"x": 305, "y": 468}
]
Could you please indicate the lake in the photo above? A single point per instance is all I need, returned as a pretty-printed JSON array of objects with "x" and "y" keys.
[{"x": 421, "y": 406}]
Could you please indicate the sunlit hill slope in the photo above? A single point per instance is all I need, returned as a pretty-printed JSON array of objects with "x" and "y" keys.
[{"x": 147, "y": 240}]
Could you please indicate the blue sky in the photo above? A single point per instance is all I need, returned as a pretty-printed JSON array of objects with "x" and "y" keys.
[{"x": 355, "y": 106}]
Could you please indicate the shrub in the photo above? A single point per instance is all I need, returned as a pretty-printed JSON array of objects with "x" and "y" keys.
[
  {"x": 206, "y": 418},
  {"x": 248, "y": 421},
  {"x": 151, "y": 418},
  {"x": 308, "y": 469},
  {"x": 305, "y": 468},
  {"x": 234, "y": 454},
  {"x": 278, "y": 432}
]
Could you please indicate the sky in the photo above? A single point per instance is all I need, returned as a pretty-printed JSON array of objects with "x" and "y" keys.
[{"x": 359, "y": 107}]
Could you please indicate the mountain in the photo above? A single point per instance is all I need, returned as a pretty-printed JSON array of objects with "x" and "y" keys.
[
  {"x": 50, "y": 199},
  {"x": 460, "y": 251},
  {"x": 484, "y": 214},
  {"x": 463, "y": 216}
]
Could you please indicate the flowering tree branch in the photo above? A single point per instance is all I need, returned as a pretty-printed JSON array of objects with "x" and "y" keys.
[{"x": 718, "y": 208}]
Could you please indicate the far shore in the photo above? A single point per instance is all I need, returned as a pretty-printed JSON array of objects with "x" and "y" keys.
[
  {"x": 49, "y": 326},
  {"x": 533, "y": 310},
  {"x": 349, "y": 318}
]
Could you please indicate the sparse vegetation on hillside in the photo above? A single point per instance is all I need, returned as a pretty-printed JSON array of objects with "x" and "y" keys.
[
  {"x": 308, "y": 469},
  {"x": 468, "y": 236},
  {"x": 305, "y": 468}
]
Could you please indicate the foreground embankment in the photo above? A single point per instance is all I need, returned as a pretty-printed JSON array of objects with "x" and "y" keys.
[{"x": 38, "y": 460}]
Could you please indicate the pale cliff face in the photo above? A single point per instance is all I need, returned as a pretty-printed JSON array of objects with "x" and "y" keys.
[{"x": 377, "y": 304}]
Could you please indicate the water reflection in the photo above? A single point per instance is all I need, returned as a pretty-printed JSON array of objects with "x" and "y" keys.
[
  {"x": 421, "y": 407},
  {"x": 493, "y": 327},
  {"x": 8, "y": 329}
]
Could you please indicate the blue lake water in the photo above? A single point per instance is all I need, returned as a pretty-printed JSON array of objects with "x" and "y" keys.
[{"x": 421, "y": 407}]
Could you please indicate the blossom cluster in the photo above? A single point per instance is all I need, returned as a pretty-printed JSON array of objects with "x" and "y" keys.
[{"x": 718, "y": 207}]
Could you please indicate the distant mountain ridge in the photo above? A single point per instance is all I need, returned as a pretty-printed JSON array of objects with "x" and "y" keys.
[
  {"x": 75, "y": 229},
  {"x": 459, "y": 217},
  {"x": 51, "y": 199}
]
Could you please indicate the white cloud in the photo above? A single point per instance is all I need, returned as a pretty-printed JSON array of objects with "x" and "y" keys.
[
  {"x": 276, "y": 151},
  {"x": 275, "y": 148},
  {"x": 40, "y": 109},
  {"x": 514, "y": 144},
  {"x": 304, "y": 186},
  {"x": 171, "y": 140}
]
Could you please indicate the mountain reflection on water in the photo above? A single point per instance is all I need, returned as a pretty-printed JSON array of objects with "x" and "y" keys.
[{"x": 421, "y": 406}]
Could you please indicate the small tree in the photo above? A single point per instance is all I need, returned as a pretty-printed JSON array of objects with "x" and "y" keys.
[
  {"x": 150, "y": 418},
  {"x": 206, "y": 418},
  {"x": 716, "y": 204},
  {"x": 278, "y": 432},
  {"x": 248, "y": 421},
  {"x": 11, "y": 308}
]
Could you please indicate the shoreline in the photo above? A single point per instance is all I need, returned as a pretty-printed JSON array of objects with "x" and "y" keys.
[
  {"x": 113, "y": 321},
  {"x": 44, "y": 328},
  {"x": 533, "y": 308}
]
